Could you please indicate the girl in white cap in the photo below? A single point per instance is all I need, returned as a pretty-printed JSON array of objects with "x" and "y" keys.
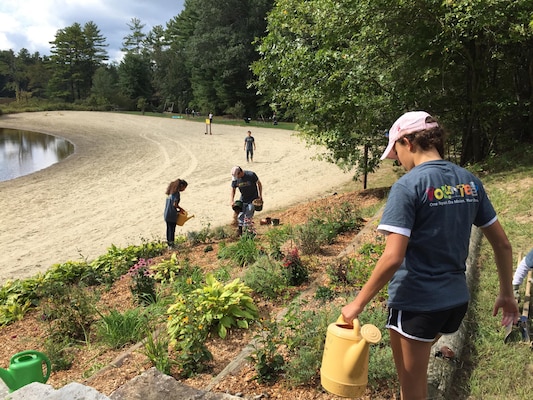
[{"x": 427, "y": 222}]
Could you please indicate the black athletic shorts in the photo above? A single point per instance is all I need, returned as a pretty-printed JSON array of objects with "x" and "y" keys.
[{"x": 426, "y": 326}]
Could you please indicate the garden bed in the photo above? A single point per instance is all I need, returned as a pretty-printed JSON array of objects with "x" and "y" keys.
[{"x": 104, "y": 369}]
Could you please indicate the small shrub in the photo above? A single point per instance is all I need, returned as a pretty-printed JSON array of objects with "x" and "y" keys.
[
  {"x": 143, "y": 282},
  {"x": 310, "y": 237},
  {"x": 276, "y": 238},
  {"x": 268, "y": 362},
  {"x": 304, "y": 337},
  {"x": 294, "y": 271},
  {"x": 324, "y": 294},
  {"x": 166, "y": 270},
  {"x": 201, "y": 236},
  {"x": 265, "y": 278},
  {"x": 61, "y": 358},
  {"x": 70, "y": 313}
]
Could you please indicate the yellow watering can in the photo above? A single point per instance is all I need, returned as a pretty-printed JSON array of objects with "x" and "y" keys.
[
  {"x": 183, "y": 217},
  {"x": 344, "y": 370}
]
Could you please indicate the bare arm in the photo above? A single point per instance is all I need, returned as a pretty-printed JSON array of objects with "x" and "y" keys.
[
  {"x": 260, "y": 189},
  {"x": 387, "y": 265},
  {"x": 503, "y": 255},
  {"x": 232, "y": 195}
]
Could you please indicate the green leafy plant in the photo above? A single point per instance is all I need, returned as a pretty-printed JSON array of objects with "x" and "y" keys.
[
  {"x": 58, "y": 351},
  {"x": 265, "y": 277},
  {"x": 304, "y": 332},
  {"x": 268, "y": 361},
  {"x": 118, "y": 329},
  {"x": 70, "y": 312},
  {"x": 143, "y": 282},
  {"x": 167, "y": 270},
  {"x": 201, "y": 236},
  {"x": 244, "y": 252},
  {"x": 276, "y": 238},
  {"x": 324, "y": 293},
  {"x": 195, "y": 314},
  {"x": 156, "y": 348},
  {"x": 311, "y": 236}
]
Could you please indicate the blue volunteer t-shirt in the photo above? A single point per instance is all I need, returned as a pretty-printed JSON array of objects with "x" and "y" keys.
[
  {"x": 435, "y": 205},
  {"x": 171, "y": 214}
]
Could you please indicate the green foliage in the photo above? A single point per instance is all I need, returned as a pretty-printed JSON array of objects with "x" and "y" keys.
[
  {"x": 166, "y": 271},
  {"x": 118, "y": 329},
  {"x": 70, "y": 312},
  {"x": 265, "y": 277},
  {"x": 268, "y": 362},
  {"x": 156, "y": 349},
  {"x": 202, "y": 236},
  {"x": 244, "y": 252},
  {"x": 276, "y": 238},
  {"x": 304, "y": 336},
  {"x": 311, "y": 236},
  {"x": 324, "y": 225},
  {"x": 324, "y": 294},
  {"x": 356, "y": 271},
  {"x": 13, "y": 311},
  {"x": 359, "y": 65},
  {"x": 117, "y": 261},
  {"x": 59, "y": 352},
  {"x": 195, "y": 314}
]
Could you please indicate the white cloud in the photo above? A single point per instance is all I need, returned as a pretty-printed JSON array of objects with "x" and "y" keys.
[{"x": 33, "y": 24}]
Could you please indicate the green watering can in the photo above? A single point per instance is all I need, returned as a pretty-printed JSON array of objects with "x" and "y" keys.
[{"x": 24, "y": 368}]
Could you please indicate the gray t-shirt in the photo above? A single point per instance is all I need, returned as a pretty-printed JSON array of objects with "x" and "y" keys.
[
  {"x": 435, "y": 205},
  {"x": 247, "y": 185}
]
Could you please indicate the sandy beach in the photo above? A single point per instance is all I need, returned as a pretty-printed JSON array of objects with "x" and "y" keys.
[{"x": 111, "y": 191}]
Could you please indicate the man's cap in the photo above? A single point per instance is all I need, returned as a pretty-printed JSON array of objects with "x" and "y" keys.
[
  {"x": 236, "y": 170},
  {"x": 412, "y": 121}
]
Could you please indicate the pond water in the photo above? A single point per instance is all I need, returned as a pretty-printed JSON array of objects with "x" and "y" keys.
[{"x": 23, "y": 152}]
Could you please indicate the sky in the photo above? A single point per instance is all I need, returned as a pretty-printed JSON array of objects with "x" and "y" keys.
[{"x": 32, "y": 24}]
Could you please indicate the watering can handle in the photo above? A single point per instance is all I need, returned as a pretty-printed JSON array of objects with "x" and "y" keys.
[
  {"x": 356, "y": 324},
  {"x": 42, "y": 356}
]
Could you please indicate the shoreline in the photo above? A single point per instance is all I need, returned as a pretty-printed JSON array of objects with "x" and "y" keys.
[{"x": 111, "y": 191}]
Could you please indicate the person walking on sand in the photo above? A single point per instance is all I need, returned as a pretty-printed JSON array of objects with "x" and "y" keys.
[
  {"x": 427, "y": 221},
  {"x": 172, "y": 208},
  {"x": 249, "y": 147},
  {"x": 251, "y": 188}
]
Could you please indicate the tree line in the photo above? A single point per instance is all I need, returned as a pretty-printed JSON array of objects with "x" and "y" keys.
[{"x": 344, "y": 70}]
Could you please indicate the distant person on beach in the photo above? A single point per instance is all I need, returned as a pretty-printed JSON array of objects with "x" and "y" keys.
[
  {"x": 251, "y": 188},
  {"x": 427, "y": 223},
  {"x": 172, "y": 208},
  {"x": 210, "y": 118},
  {"x": 249, "y": 147}
]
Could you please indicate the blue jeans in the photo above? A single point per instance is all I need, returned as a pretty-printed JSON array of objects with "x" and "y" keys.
[
  {"x": 171, "y": 233},
  {"x": 246, "y": 214}
]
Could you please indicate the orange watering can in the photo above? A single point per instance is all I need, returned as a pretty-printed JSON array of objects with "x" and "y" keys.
[
  {"x": 344, "y": 370},
  {"x": 183, "y": 217},
  {"x": 24, "y": 368}
]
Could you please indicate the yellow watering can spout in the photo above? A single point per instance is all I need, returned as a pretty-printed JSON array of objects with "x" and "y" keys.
[
  {"x": 183, "y": 217},
  {"x": 344, "y": 370}
]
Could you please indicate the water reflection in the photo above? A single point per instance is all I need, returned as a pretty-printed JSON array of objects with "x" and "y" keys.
[{"x": 23, "y": 152}]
